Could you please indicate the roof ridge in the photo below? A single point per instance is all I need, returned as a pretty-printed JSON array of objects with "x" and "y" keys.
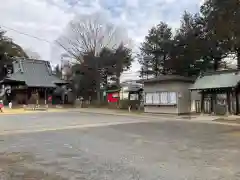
[
  {"x": 209, "y": 73},
  {"x": 37, "y": 73},
  {"x": 170, "y": 77},
  {"x": 31, "y": 60}
]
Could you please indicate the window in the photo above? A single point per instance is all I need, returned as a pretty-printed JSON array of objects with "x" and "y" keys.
[
  {"x": 156, "y": 98},
  {"x": 161, "y": 98},
  {"x": 133, "y": 97},
  {"x": 164, "y": 98},
  {"x": 149, "y": 98},
  {"x": 172, "y": 98}
]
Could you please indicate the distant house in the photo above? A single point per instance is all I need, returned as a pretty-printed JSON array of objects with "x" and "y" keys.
[
  {"x": 127, "y": 91},
  {"x": 218, "y": 92},
  {"x": 31, "y": 78},
  {"x": 167, "y": 94},
  {"x": 130, "y": 91}
]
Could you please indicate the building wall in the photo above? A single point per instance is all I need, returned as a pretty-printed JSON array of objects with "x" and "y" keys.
[
  {"x": 123, "y": 95},
  {"x": 161, "y": 109},
  {"x": 195, "y": 98},
  {"x": 183, "y": 97}
]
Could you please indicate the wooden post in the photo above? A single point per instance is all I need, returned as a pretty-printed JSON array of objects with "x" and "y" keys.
[
  {"x": 45, "y": 96},
  {"x": 237, "y": 102},
  {"x": 202, "y": 102},
  {"x": 232, "y": 101},
  {"x": 228, "y": 105},
  {"x": 129, "y": 104},
  {"x": 37, "y": 98},
  {"x": 212, "y": 103}
]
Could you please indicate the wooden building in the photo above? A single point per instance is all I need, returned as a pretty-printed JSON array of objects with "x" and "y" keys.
[
  {"x": 31, "y": 81},
  {"x": 218, "y": 92},
  {"x": 167, "y": 94}
]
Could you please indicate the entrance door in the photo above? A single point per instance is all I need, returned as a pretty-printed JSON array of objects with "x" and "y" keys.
[
  {"x": 198, "y": 106},
  {"x": 207, "y": 105},
  {"x": 221, "y": 105}
]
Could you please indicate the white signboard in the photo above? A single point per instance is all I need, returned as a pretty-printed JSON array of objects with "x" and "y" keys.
[
  {"x": 149, "y": 98},
  {"x": 156, "y": 98},
  {"x": 172, "y": 98},
  {"x": 164, "y": 98},
  {"x": 133, "y": 97}
]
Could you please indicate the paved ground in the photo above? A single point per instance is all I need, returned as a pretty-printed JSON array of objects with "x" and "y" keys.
[{"x": 47, "y": 146}]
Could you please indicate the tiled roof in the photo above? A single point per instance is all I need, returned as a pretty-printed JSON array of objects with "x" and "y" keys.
[
  {"x": 220, "y": 79},
  {"x": 169, "y": 78},
  {"x": 35, "y": 73}
]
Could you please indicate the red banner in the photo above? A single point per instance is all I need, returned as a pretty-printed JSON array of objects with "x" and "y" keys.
[{"x": 113, "y": 97}]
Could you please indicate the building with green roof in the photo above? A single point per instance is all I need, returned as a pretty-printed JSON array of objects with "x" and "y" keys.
[
  {"x": 31, "y": 76},
  {"x": 219, "y": 92}
]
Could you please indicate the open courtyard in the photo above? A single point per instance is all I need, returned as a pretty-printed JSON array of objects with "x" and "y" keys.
[{"x": 91, "y": 146}]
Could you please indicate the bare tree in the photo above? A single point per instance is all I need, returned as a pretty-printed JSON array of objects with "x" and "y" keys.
[
  {"x": 32, "y": 54},
  {"x": 91, "y": 34}
]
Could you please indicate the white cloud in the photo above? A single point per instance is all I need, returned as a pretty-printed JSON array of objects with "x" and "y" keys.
[
  {"x": 36, "y": 18},
  {"x": 47, "y": 18},
  {"x": 202, "y": 2}
]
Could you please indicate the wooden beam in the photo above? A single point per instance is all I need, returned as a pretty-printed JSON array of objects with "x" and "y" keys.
[
  {"x": 202, "y": 102},
  {"x": 237, "y": 102},
  {"x": 212, "y": 101},
  {"x": 228, "y": 105}
]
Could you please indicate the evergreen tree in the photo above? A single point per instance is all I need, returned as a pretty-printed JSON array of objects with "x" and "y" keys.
[{"x": 157, "y": 46}]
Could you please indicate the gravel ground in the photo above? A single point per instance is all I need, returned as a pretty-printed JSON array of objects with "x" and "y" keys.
[{"x": 139, "y": 151}]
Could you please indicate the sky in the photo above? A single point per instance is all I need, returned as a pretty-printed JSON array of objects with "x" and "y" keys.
[{"x": 46, "y": 20}]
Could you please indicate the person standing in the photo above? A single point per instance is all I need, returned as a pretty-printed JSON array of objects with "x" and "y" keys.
[
  {"x": 50, "y": 99},
  {"x": 1, "y": 106},
  {"x": 10, "y": 105}
]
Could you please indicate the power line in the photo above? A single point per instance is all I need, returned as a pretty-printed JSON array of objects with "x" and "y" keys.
[
  {"x": 26, "y": 34},
  {"x": 47, "y": 41},
  {"x": 32, "y": 36}
]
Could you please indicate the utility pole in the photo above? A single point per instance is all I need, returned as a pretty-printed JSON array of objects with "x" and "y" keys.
[{"x": 98, "y": 80}]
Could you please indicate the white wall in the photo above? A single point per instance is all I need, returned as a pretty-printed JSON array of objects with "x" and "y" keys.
[
  {"x": 195, "y": 96},
  {"x": 123, "y": 95}
]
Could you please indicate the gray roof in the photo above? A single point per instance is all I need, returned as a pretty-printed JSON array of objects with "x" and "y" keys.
[
  {"x": 35, "y": 73},
  {"x": 224, "y": 79},
  {"x": 169, "y": 78},
  {"x": 132, "y": 87}
]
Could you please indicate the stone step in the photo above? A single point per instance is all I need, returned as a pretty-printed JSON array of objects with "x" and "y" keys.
[{"x": 34, "y": 108}]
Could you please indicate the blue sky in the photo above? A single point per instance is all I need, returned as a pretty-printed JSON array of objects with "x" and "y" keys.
[{"x": 48, "y": 18}]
